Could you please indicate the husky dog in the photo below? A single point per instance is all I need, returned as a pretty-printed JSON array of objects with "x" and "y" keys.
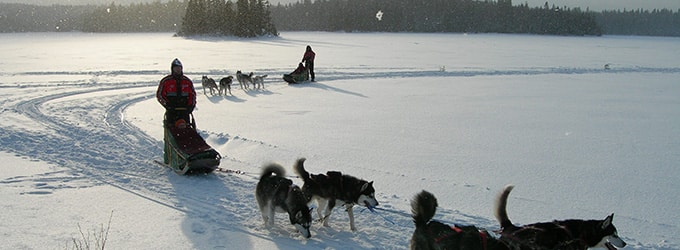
[
  {"x": 567, "y": 234},
  {"x": 258, "y": 81},
  {"x": 225, "y": 85},
  {"x": 430, "y": 234},
  {"x": 209, "y": 83},
  {"x": 244, "y": 79},
  {"x": 335, "y": 187},
  {"x": 275, "y": 193}
]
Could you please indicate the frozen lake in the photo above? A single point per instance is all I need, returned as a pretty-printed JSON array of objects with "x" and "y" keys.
[{"x": 460, "y": 115}]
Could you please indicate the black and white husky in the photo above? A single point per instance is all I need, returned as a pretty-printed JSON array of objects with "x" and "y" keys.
[
  {"x": 566, "y": 234},
  {"x": 225, "y": 85},
  {"x": 431, "y": 234},
  {"x": 334, "y": 187},
  {"x": 275, "y": 193},
  {"x": 208, "y": 83},
  {"x": 258, "y": 81},
  {"x": 243, "y": 79}
]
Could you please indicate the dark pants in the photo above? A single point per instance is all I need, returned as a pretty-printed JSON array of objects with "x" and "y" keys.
[
  {"x": 310, "y": 67},
  {"x": 173, "y": 115}
]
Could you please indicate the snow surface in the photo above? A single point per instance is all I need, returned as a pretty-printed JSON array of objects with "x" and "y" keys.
[{"x": 460, "y": 115}]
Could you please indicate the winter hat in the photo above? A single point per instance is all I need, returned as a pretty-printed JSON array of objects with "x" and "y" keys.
[{"x": 176, "y": 62}]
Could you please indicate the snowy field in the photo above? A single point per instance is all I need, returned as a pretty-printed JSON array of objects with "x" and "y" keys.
[{"x": 458, "y": 115}]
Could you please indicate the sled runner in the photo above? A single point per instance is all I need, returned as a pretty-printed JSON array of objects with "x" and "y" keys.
[
  {"x": 296, "y": 78},
  {"x": 186, "y": 152}
]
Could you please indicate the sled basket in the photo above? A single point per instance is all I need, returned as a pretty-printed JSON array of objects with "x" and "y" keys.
[
  {"x": 186, "y": 152},
  {"x": 296, "y": 78}
]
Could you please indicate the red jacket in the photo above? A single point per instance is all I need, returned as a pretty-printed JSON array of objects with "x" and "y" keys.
[
  {"x": 309, "y": 56},
  {"x": 169, "y": 97}
]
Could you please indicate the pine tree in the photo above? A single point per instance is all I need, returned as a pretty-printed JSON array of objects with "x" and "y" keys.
[
  {"x": 226, "y": 18},
  {"x": 242, "y": 15},
  {"x": 194, "y": 22}
]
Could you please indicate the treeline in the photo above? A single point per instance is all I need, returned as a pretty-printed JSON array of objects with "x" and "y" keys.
[
  {"x": 246, "y": 18},
  {"x": 459, "y": 16},
  {"x": 257, "y": 17},
  {"x": 148, "y": 17},
  {"x": 144, "y": 17},
  {"x": 433, "y": 16},
  {"x": 640, "y": 22},
  {"x": 33, "y": 18}
]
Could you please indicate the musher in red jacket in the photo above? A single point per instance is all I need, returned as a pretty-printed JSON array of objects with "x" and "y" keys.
[{"x": 177, "y": 95}]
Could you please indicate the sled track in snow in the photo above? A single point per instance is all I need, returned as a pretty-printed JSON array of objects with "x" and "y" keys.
[
  {"x": 91, "y": 147},
  {"x": 93, "y": 139},
  {"x": 357, "y": 73},
  {"x": 108, "y": 149},
  {"x": 104, "y": 147}
]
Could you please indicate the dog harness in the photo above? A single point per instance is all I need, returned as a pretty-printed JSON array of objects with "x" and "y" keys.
[{"x": 482, "y": 235}]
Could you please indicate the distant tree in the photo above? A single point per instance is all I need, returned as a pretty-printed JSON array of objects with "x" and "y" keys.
[
  {"x": 266, "y": 25},
  {"x": 217, "y": 17},
  {"x": 225, "y": 17},
  {"x": 195, "y": 19}
]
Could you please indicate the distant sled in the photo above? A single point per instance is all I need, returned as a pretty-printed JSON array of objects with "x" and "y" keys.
[
  {"x": 186, "y": 152},
  {"x": 296, "y": 78}
]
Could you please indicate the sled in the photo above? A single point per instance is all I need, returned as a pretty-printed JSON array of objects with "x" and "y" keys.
[
  {"x": 296, "y": 78},
  {"x": 186, "y": 152}
]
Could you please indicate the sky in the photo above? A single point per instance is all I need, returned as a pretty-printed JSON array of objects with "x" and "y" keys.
[{"x": 596, "y": 5}]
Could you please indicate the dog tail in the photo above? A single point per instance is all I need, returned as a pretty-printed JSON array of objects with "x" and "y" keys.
[
  {"x": 300, "y": 169},
  {"x": 423, "y": 207},
  {"x": 501, "y": 204},
  {"x": 273, "y": 168}
]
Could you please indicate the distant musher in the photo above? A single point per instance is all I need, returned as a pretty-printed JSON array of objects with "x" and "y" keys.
[{"x": 308, "y": 59}]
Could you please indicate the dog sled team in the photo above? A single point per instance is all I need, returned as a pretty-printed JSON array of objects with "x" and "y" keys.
[
  {"x": 301, "y": 74},
  {"x": 275, "y": 193},
  {"x": 224, "y": 87}
]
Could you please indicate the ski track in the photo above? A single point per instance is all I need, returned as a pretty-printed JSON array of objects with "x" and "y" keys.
[
  {"x": 99, "y": 145},
  {"x": 108, "y": 150},
  {"x": 339, "y": 73}
]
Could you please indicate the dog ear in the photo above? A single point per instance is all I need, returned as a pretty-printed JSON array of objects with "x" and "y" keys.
[
  {"x": 365, "y": 186},
  {"x": 607, "y": 221}
]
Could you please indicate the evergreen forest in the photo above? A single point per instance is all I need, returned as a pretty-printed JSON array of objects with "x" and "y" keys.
[{"x": 252, "y": 18}]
